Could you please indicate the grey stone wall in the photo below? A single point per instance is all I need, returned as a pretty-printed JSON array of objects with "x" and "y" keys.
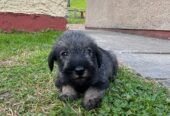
[{"x": 129, "y": 14}]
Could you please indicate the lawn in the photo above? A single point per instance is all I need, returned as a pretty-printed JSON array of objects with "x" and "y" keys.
[
  {"x": 76, "y": 4},
  {"x": 79, "y": 4},
  {"x": 27, "y": 88}
]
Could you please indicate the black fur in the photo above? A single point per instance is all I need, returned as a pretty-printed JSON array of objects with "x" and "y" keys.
[{"x": 77, "y": 51}]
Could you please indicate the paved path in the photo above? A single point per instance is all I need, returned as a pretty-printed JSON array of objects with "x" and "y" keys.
[{"x": 149, "y": 57}]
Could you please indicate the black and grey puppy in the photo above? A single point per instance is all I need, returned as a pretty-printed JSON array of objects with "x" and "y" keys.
[{"x": 83, "y": 68}]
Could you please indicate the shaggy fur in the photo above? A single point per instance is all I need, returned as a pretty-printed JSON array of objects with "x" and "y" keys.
[{"x": 83, "y": 68}]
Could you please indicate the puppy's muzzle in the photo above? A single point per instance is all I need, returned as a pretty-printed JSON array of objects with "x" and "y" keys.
[
  {"x": 80, "y": 73},
  {"x": 79, "y": 70}
]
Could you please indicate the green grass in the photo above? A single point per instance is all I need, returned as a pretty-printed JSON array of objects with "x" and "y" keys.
[
  {"x": 76, "y": 4},
  {"x": 79, "y": 4},
  {"x": 72, "y": 20},
  {"x": 27, "y": 88}
]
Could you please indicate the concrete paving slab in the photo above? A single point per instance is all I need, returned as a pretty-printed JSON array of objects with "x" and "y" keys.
[
  {"x": 155, "y": 66},
  {"x": 150, "y": 57},
  {"x": 127, "y": 42},
  {"x": 165, "y": 82}
]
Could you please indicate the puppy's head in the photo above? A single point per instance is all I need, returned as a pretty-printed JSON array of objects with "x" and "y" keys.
[{"x": 77, "y": 56}]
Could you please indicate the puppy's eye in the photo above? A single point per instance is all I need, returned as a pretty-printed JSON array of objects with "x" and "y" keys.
[
  {"x": 64, "y": 53},
  {"x": 89, "y": 51}
]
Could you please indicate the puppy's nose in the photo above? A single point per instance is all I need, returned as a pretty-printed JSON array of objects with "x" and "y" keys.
[{"x": 79, "y": 70}]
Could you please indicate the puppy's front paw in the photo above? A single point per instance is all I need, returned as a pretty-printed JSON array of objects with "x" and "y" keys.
[
  {"x": 91, "y": 103},
  {"x": 92, "y": 98},
  {"x": 68, "y": 93},
  {"x": 65, "y": 97}
]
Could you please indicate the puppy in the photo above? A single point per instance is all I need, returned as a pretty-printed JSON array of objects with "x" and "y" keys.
[{"x": 83, "y": 68}]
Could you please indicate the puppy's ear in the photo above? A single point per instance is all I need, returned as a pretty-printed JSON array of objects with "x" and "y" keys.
[
  {"x": 99, "y": 56},
  {"x": 51, "y": 59}
]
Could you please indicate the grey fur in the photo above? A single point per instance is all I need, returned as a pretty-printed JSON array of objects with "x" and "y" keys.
[{"x": 83, "y": 68}]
